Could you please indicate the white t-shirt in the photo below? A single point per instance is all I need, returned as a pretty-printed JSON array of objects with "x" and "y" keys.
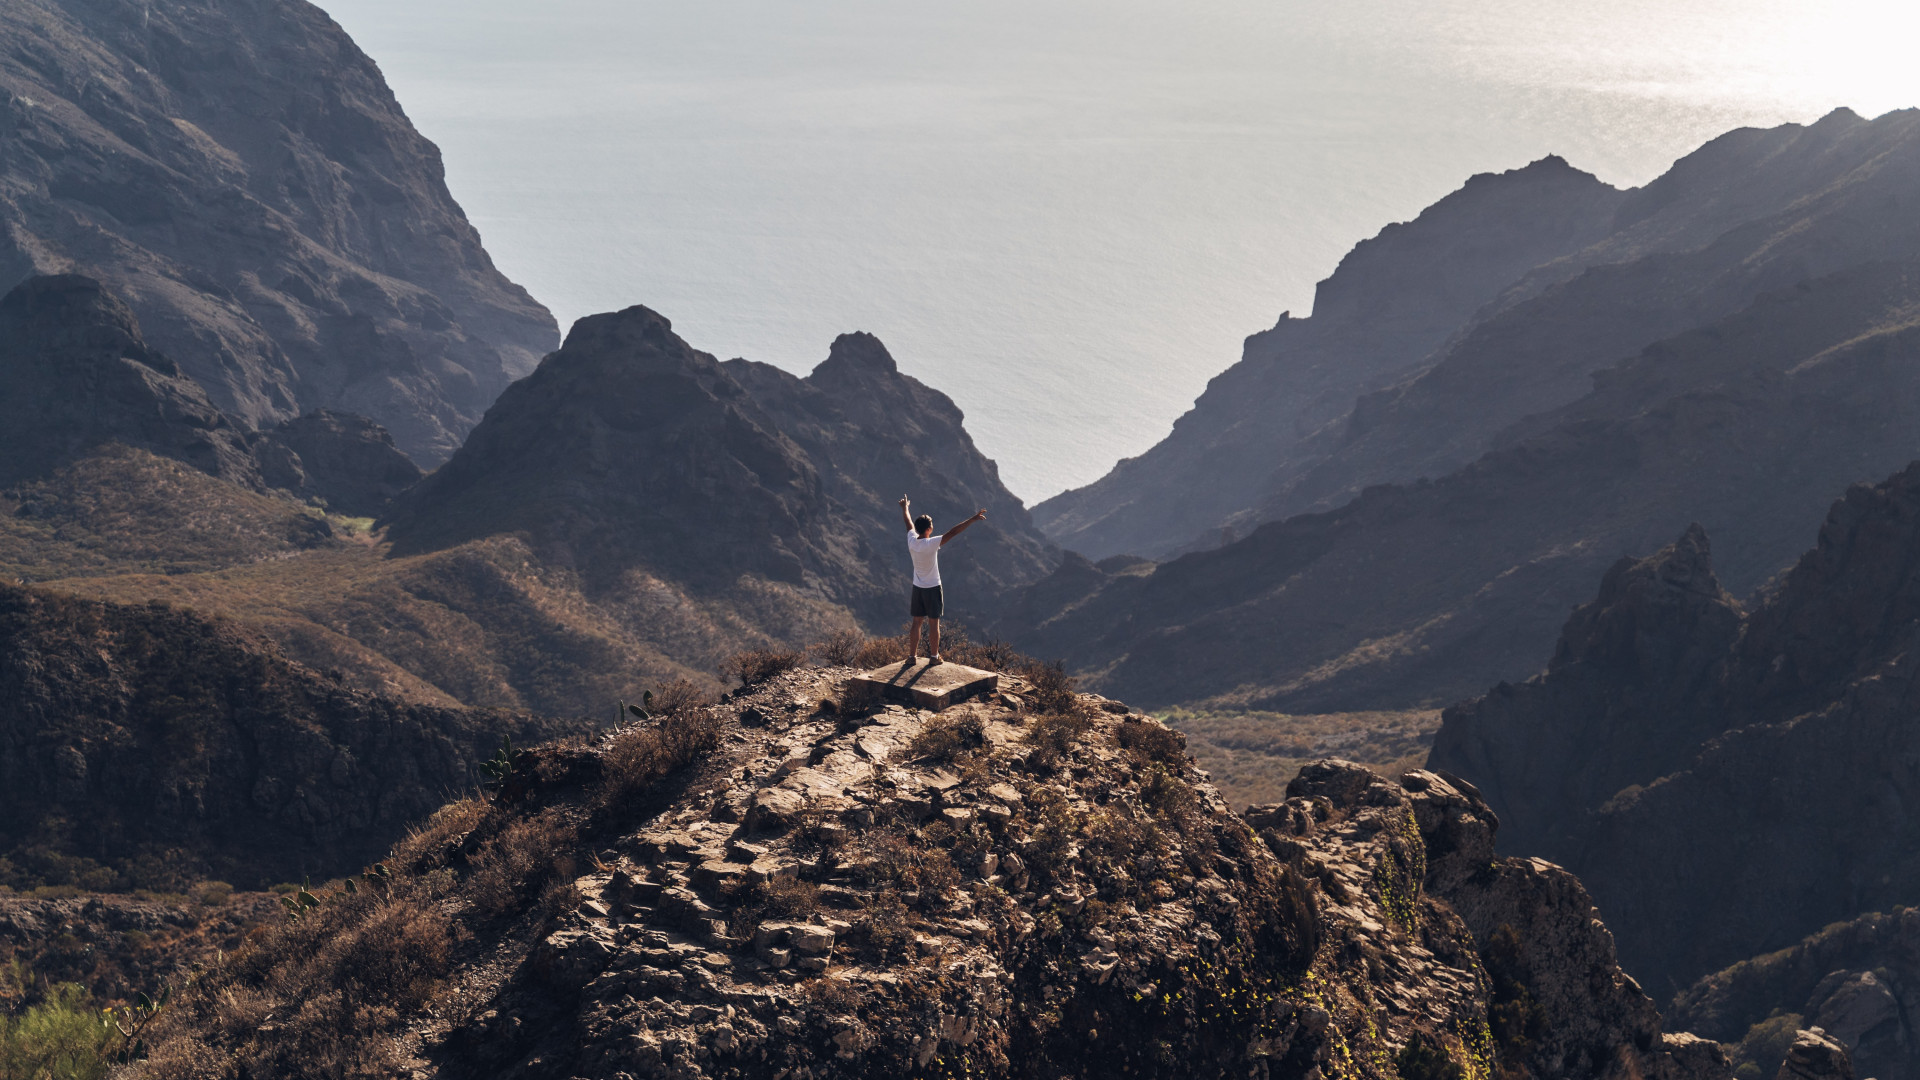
[{"x": 926, "y": 559}]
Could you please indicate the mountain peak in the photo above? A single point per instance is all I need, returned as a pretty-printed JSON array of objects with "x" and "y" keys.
[{"x": 858, "y": 351}]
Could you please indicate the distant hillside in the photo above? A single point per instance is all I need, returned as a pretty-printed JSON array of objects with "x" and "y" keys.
[
  {"x": 1725, "y": 781},
  {"x": 1791, "y": 372},
  {"x": 1393, "y": 301},
  {"x": 1496, "y": 303},
  {"x": 241, "y": 174}
]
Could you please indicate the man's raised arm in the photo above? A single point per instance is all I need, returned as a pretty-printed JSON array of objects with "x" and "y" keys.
[
  {"x": 978, "y": 515},
  {"x": 904, "y": 515}
]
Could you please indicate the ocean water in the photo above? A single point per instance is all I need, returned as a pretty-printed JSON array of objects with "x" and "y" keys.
[{"x": 1066, "y": 214}]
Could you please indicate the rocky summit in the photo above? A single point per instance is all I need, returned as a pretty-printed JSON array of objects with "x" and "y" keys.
[
  {"x": 243, "y": 176},
  {"x": 805, "y": 881}
]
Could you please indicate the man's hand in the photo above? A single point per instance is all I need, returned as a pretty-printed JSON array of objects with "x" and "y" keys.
[
  {"x": 978, "y": 515},
  {"x": 905, "y": 515}
]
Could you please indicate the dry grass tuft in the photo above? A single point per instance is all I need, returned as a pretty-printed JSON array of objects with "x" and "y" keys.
[
  {"x": 643, "y": 753},
  {"x": 1054, "y": 735},
  {"x": 519, "y": 861}
]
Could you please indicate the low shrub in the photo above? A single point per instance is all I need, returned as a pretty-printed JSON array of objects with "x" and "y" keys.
[
  {"x": 1053, "y": 690},
  {"x": 1054, "y": 735},
  {"x": 758, "y": 665},
  {"x": 946, "y": 735},
  {"x": 840, "y": 648},
  {"x": 61, "y": 1038},
  {"x": 644, "y": 752},
  {"x": 677, "y": 697},
  {"x": 519, "y": 861},
  {"x": 1150, "y": 743},
  {"x": 788, "y": 898},
  {"x": 881, "y": 651},
  {"x": 1423, "y": 1058}
]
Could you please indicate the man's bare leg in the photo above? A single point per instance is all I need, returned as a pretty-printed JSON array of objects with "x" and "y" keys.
[
  {"x": 933, "y": 639},
  {"x": 913, "y": 637}
]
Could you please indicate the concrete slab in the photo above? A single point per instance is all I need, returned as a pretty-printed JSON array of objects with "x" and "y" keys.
[{"x": 931, "y": 686}]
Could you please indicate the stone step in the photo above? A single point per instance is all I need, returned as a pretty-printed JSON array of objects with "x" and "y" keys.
[{"x": 928, "y": 685}]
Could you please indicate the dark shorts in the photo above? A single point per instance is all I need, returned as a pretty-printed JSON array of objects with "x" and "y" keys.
[{"x": 927, "y": 603}]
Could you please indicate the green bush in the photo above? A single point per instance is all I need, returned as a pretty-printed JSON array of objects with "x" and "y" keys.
[{"x": 62, "y": 1038}]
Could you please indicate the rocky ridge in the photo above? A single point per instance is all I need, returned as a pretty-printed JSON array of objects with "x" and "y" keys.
[
  {"x": 852, "y": 888},
  {"x": 243, "y": 176},
  {"x": 629, "y": 454},
  {"x": 1392, "y": 302},
  {"x": 1763, "y": 761}
]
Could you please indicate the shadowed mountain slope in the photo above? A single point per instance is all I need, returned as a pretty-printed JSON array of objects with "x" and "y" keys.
[
  {"x": 1425, "y": 593},
  {"x": 1391, "y": 302},
  {"x": 241, "y": 174},
  {"x": 78, "y": 375},
  {"x": 875, "y": 434},
  {"x": 1760, "y": 767}
]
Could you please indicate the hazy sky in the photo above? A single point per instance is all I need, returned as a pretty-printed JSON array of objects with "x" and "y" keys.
[{"x": 1066, "y": 214}]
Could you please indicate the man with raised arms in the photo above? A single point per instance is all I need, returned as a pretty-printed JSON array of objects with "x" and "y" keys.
[{"x": 928, "y": 602}]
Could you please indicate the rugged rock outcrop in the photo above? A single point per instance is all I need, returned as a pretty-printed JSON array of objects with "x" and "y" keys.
[
  {"x": 630, "y": 451},
  {"x": 347, "y": 461},
  {"x": 1858, "y": 981},
  {"x": 1772, "y": 799},
  {"x": 849, "y": 888},
  {"x": 243, "y": 176},
  {"x": 78, "y": 375},
  {"x": 1816, "y": 1055},
  {"x": 150, "y": 746},
  {"x": 1629, "y": 695},
  {"x": 1393, "y": 301}
]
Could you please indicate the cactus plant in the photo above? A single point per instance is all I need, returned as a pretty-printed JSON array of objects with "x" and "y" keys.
[{"x": 502, "y": 764}]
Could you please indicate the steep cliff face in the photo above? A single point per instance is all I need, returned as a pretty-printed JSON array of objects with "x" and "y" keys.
[
  {"x": 1771, "y": 798},
  {"x": 1395, "y": 299},
  {"x": 800, "y": 883},
  {"x": 243, "y": 176},
  {"x": 149, "y": 746},
  {"x": 1425, "y": 593},
  {"x": 79, "y": 375},
  {"x": 629, "y": 451},
  {"x": 1630, "y": 692}
]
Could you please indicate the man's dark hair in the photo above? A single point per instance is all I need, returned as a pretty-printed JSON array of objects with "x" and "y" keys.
[{"x": 923, "y": 524}]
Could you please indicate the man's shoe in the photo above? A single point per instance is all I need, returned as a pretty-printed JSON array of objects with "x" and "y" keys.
[{"x": 934, "y": 659}]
